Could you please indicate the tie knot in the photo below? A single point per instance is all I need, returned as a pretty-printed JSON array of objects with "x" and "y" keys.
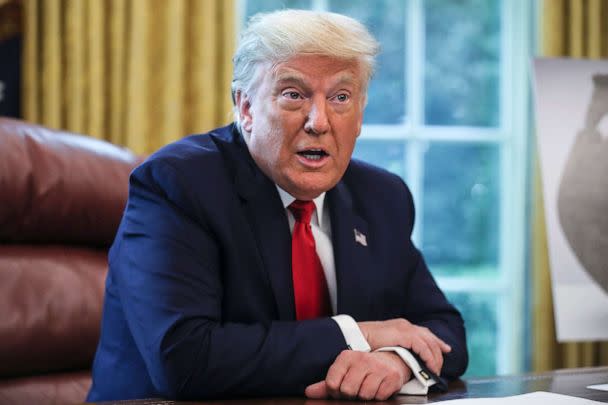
[{"x": 302, "y": 210}]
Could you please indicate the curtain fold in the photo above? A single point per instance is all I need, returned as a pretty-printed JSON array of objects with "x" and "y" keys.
[
  {"x": 139, "y": 73},
  {"x": 577, "y": 29}
]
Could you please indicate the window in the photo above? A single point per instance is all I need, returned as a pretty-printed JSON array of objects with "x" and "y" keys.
[{"x": 448, "y": 113}]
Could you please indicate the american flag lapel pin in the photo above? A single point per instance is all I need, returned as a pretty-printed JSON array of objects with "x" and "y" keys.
[{"x": 360, "y": 238}]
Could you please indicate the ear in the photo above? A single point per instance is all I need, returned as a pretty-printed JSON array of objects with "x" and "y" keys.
[{"x": 243, "y": 104}]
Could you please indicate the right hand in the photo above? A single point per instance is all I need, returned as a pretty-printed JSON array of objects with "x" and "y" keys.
[
  {"x": 401, "y": 332},
  {"x": 366, "y": 376}
]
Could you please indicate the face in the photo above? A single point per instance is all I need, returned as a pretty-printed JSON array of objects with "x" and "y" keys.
[{"x": 302, "y": 122}]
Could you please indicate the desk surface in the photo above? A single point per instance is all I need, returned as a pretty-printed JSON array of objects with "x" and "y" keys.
[{"x": 569, "y": 382}]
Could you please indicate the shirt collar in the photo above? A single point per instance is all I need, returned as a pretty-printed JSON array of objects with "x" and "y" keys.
[{"x": 287, "y": 199}]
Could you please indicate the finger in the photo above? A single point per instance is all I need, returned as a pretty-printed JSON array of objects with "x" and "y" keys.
[
  {"x": 317, "y": 391},
  {"x": 435, "y": 349},
  {"x": 439, "y": 356},
  {"x": 336, "y": 373},
  {"x": 434, "y": 344},
  {"x": 445, "y": 348},
  {"x": 421, "y": 348},
  {"x": 386, "y": 389},
  {"x": 353, "y": 379},
  {"x": 416, "y": 343},
  {"x": 369, "y": 387}
]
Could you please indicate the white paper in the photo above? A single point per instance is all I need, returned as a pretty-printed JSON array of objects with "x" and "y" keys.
[
  {"x": 599, "y": 387},
  {"x": 533, "y": 398}
]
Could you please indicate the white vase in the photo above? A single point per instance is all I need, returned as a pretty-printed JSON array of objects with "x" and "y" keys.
[{"x": 583, "y": 192}]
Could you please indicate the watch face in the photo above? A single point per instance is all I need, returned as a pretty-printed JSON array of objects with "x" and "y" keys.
[{"x": 583, "y": 191}]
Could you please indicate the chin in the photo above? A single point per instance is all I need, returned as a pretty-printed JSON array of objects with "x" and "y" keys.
[{"x": 311, "y": 189}]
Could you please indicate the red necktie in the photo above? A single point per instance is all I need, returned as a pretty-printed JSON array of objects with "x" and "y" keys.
[{"x": 309, "y": 285}]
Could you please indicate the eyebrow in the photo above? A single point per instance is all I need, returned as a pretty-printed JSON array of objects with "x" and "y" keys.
[
  {"x": 290, "y": 78},
  {"x": 347, "y": 79},
  {"x": 298, "y": 80}
]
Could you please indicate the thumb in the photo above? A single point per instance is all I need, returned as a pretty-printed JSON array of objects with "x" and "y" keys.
[{"x": 317, "y": 391}]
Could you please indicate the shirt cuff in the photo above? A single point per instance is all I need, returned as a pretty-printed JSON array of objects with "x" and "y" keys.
[
  {"x": 421, "y": 381},
  {"x": 352, "y": 334}
]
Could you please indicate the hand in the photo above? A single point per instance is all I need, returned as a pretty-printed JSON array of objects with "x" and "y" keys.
[
  {"x": 401, "y": 332},
  {"x": 361, "y": 375}
]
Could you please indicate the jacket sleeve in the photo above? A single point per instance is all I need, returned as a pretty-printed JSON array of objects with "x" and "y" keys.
[
  {"x": 168, "y": 268},
  {"x": 432, "y": 310},
  {"x": 426, "y": 305}
]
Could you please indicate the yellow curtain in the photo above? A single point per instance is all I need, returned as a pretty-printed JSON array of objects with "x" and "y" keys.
[
  {"x": 139, "y": 73},
  {"x": 578, "y": 29}
]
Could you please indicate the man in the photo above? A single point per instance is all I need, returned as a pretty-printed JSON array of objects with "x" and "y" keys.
[{"x": 238, "y": 246}]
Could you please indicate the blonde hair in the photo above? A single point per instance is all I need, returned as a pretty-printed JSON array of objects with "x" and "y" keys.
[{"x": 278, "y": 36}]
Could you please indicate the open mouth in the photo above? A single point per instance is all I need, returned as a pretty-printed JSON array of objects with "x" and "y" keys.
[{"x": 313, "y": 154}]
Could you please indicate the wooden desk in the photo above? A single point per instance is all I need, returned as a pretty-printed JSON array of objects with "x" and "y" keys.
[{"x": 569, "y": 382}]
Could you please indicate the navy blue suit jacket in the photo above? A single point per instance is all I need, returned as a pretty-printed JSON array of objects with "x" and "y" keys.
[{"x": 199, "y": 296}]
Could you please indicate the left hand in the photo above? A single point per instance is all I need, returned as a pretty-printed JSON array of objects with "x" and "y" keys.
[
  {"x": 361, "y": 375},
  {"x": 401, "y": 332}
]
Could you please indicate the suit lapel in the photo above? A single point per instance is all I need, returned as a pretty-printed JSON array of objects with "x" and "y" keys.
[
  {"x": 352, "y": 257},
  {"x": 266, "y": 214},
  {"x": 264, "y": 211}
]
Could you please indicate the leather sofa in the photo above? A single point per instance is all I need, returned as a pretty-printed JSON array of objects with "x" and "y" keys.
[{"x": 61, "y": 199}]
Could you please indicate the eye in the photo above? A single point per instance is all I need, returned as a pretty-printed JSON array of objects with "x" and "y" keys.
[
  {"x": 292, "y": 95},
  {"x": 342, "y": 97}
]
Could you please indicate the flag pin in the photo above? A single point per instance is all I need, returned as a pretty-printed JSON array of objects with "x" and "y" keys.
[{"x": 360, "y": 238}]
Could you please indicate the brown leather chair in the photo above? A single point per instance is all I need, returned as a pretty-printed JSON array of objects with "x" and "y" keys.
[{"x": 61, "y": 199}]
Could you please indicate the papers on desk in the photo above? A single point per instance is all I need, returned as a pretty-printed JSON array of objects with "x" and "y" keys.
[
  {"x": 599, "y": 387},
  {"x": 533, "y": 398}
]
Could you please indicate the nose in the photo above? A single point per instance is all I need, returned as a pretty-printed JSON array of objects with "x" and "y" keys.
[{"x": 317, "y": 122}]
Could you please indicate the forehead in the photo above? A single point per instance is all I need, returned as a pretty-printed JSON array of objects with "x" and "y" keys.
[{"x": 313, "y": 68}]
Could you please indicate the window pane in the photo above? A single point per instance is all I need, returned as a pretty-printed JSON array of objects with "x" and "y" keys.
[
  {"x": 479, "y": 313},
  {"x": 263, "y": 6},
  {"x": 386, "y": 95},
  {"x": 461, "y": 205},
  {"x": 389, "y": 154},
  {"x": 462, "y": 62}
]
